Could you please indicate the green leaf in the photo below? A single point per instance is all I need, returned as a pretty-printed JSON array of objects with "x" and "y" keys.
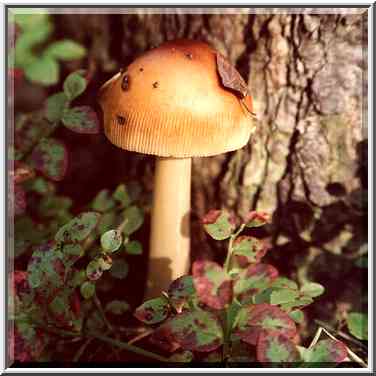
[
  {"x": 276, "y": 349},
  {"x": 32, "y": 21},
  {"x": 134, "y": 218},
  {"x": 252, "y": 320},
  {"x": 299, "y": 302},
  {"x": 133, "y": 248},
  {"x": 78, "y": 229},
  {"x": 312, "y": 289},
  {"x": 41, "y": 186},
  {"x": 117, "y": 307},
  {"x": 81, "y": 119},
  {"x": 119, "y": 269},
  {"x": 194, "y": 331},
  {"x": 357, "y": 323},
  {"x": 297, "y": 315},
  {"x": 65, "y": 50},
  {"x": 50, "y": 157},
  {"x": 122, "y": 196},
  {"x": 73, "y": 250},
  {"x": 107, "y": 221},
  {"x": 213, "y": 285},
  {"x": 283, "y": 296},
  {"x": 44, "y": 70},
  {"x": 74, "y": 85},
  {"x": 55, "y": 106},
  {"x": 153, "y": 311},
  {"x": 326, "y": 351},
  {"x": 87, "y": 289},
  {"x": 283, "y": 282},
  {"x": 102, "y": 201},
  {"x": 51, "y": 206},
  {"x": 111, "y": 241},
  {"x": 218, "y": 224}
]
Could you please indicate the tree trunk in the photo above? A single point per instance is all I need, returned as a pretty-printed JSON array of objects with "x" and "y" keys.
[{"x": 305, "y": 164}]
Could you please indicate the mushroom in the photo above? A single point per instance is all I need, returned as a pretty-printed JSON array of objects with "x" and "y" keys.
[{"x": 177, "y": 101}]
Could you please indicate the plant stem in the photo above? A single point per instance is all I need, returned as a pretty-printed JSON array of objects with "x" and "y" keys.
[
  {"x": 230, "y": 244},
  {"x": 131, "y": 348},
  {"x": 82, "y": 349},
  {"x": 101, "y": 311}
]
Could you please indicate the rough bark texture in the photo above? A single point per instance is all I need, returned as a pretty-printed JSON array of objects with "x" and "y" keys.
[{"x": 306, "y": 163}]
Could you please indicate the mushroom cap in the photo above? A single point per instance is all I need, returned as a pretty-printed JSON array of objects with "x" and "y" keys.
[{"x": 171, "y": 102}]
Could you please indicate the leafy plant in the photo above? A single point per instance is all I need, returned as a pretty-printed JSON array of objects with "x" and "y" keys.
[
  {"x": 41, "y": 160},
  {"x": 243, "y": 311},
  {"x": 38, "y": 59},
  {"x": 57, "y": 294}
]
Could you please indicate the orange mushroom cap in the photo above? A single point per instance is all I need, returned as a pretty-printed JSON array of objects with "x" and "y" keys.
[{"x": 171, "y": 102}]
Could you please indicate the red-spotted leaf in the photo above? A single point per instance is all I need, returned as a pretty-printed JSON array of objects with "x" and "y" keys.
[
  {"x": 253, "y": 320},
  {"x": 111, "y": 241},
  {"x": 63, "y": 310},
  {"x": 195, "y": 331},
  {"x": 22, "y": 172},
  {"x": 180, "y": 291},
  {"x": 51, "y": 158},
  {"x": 256, "y": 219},
  {"x": 218, "y": 224},
  {"x": 23, "y": 294},
  {"x": 26, "y": 343},
  {"x": 153, "y": 311},
  {"x": 254, "y": 280},
  {"x": 326, "y": 351},
  {"x": 82, "y": 119},
  {"x": 29, "y": 129},
  {"x": 74, "y": 85},
  {"x": 247, "y": 250},
  {"x": 78, "y": 229},
  {"x": 94, "y": 270},
  {"x": 212, "y": 284},
  {"x": 19, "y": 200},
  {"x": 46, "y": 270},
  {"x": 278, "y": 348}
]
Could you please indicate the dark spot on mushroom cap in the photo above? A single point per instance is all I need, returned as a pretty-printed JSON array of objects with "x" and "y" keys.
[
  {"x": 125, "y": 82},
  {"x": 155, "y": 84},
  {"x": 120, "y": 119},
  {"x": 141, "y": 69},
  {"x": 189, "y": 56}
]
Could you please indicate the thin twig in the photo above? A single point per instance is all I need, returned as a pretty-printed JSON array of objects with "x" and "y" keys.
[
  {"x": 82, "y": 349},
  {"x": 341, "y": 334},
  {"x": 128, "y": 347},
  {"x": 352, "y": 355},
  {"x": 101, "y": 311},
  {"x": 141, "y": 336},
  {"x": 230, "y": 243}
]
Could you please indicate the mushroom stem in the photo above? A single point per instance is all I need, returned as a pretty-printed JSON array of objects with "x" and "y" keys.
[{"x": 169, "y": 239}]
